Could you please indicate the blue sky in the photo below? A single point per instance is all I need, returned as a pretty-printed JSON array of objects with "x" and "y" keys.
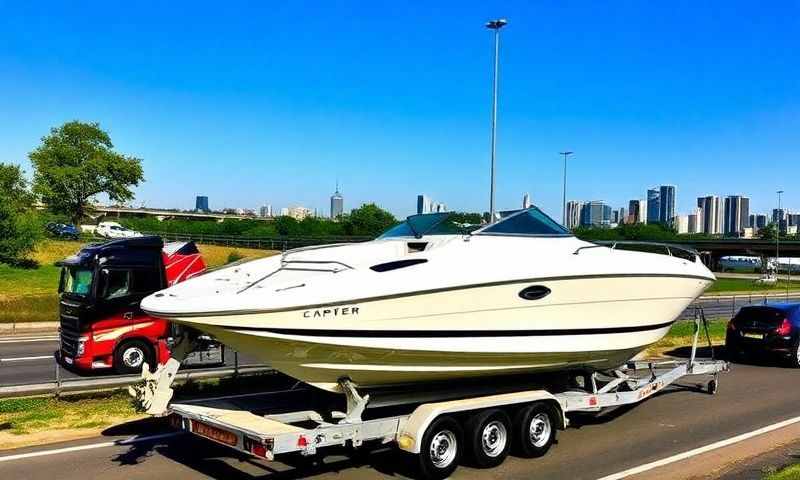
[{"x": 273, "y": 101}]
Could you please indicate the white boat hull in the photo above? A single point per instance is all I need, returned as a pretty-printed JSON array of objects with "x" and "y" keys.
[{"x": 595, "y": 322}]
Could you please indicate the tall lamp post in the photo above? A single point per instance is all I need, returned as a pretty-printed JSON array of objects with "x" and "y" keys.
[
  {"x": 778, "y": 236},
  {"x": 495, "y": 25},
  {"x": 564, "y": 189}
]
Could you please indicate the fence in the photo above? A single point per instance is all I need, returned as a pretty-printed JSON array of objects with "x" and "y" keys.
[{"x": 728, "y": 305}]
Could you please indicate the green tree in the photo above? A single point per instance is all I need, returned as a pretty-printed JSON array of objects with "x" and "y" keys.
[
  {"x": 768, "y": 232},
  {"x": 75, "y": 162},
  {"x": 367, "y": 220},
  {"x": 19, "y": 226}
]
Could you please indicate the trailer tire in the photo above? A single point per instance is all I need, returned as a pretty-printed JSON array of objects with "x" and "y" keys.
[
  {"x": 441, "y": 448},
  {"x": 488, "y": 437},
  {"x": 130, "y": 355},
  {"x": 535, "y": 430}
]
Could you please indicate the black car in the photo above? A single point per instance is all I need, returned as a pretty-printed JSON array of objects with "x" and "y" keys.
[{"x": 770, "y": 328}]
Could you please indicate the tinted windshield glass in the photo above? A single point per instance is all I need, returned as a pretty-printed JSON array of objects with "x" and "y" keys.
[
  {"x": 76, "y": 280},
  {"x": 431, "y": 224},
  {"x": 528, "y": 222}
]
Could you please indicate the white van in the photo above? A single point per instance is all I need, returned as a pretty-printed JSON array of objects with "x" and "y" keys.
[{"x": 115, "y": 230}]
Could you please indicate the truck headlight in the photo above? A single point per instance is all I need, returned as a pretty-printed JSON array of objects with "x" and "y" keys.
[{"x": 81, "y": 346}]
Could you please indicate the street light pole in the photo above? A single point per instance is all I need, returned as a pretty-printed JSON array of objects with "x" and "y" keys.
[
  {"x": 495, "y": 25},
  {"x": 564, "y": 190},
  {"x": 778, "y": 237}
]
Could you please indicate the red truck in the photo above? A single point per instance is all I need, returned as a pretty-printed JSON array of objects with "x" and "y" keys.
[{"x": 102, "y": 325}]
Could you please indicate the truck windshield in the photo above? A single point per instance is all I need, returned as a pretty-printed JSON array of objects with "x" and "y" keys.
[{"x": 76, "y": 280}]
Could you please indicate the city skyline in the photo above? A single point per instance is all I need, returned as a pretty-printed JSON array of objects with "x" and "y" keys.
[{"x": 701, "y": 108}]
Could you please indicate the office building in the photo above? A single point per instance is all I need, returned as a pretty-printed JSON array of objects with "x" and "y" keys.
[
  {"x": 712, "y": 214},
  {"x": 595, "y": 214},
  {"x": 337, "y": 204},
  {"x": 793, "y": 219},
  {"x": 636, "y": 211},
  {"x": 681, "y": 223},
  {"x": 737, "y": 215},
  {"x": 423, "y": 204},
  {"x": 573, "y": 218},
  {"x": 299, "y": 213},
  {"x": 526, "y": 201},
  {"x": 757, "y": 221},
  {"x": 666, "y": 207},
  {"x": 623, "y": 215},
  {"x": 438, "y": 207},
  {"x": 778, "y": 215},
  {"x": 201, "y": 203},
  {"x": 695, "y": 221},
  {"x": 265, "y": 211},
  {"x": 615, "y": 217},
  {"x": 653, "y": 205}
]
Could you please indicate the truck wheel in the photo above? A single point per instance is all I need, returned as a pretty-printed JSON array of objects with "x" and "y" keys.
[
  {"x": 488, "y": 437},
  {"x": 440, "y": 450},
  {"x": 131, "y": 355},
  {"x": 535, "y": 430}
]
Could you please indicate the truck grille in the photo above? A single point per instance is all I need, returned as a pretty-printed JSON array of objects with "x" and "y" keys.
[{"x": 70, "y": 329}]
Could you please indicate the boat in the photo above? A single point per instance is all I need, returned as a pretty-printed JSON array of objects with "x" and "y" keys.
[{"x": 438, "y": 299}]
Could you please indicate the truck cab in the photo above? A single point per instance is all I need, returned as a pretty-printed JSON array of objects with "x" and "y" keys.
[{"x": 101, "y": 323}]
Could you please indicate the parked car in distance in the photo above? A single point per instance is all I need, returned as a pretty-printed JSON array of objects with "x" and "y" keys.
[
  {"x": 772, "y": 328},
  {"x": 62, "y": 230},
  {"x": 115, "y": 230}
]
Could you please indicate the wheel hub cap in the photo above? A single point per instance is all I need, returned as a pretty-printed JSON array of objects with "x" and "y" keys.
[
  {"x": 133, "y": 357},
  {"x": 443, "y": 449},
  {"x": 494, "y": 438},
  {"x": 540, "y": 430}
]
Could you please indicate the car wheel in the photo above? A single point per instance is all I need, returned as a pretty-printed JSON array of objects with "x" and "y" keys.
[
  {"x": 131, "y": 355},
  {"x": 794, "y": 359}
]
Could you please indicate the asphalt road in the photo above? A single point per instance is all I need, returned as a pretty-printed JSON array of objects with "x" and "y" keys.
[
  {"x": 749, "y": 397},
  {"x": 26, "y": 360}
]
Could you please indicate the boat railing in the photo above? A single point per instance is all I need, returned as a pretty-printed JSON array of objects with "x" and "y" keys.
[{"x": 647, "y": 247}]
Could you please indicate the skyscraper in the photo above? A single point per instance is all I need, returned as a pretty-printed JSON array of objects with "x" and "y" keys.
[
  {"x": 695, "y": 221},
  {"x": 573, "y": 214},
  {"x": 337, "y": 204},
  {"x": 666, "y": 207},
  {"x": 526, "y": 201},
  {"x": 737, "y": 214},
  {"x": 653, "y": 205},
  {"x": 758, "y": 221},
  {"x": 778, "y": 215},
  {"x": 423, "y": 204},
  {"x": 265, "y": 211},
  {"x": 712, "y": 214},
  {"x": 201, "y": 203},
  {"x": 595, "y": 214},
  {"x": 636, "y": 211}
]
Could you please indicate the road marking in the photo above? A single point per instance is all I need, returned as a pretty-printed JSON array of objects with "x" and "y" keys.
[
  {"x": 24, "y": 359},
  {"x": 700, "y": 450},
  {"x": 127, "y": 441},
  {"x": 28, "y": 340}
]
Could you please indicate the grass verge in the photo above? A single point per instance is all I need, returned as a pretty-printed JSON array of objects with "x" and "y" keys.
[
  {"x": 735, "y": 285},
  {"x": 792, "y": 472}
]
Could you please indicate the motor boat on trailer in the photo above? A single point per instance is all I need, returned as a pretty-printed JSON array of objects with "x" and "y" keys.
[{"x": 434, "y": 299}]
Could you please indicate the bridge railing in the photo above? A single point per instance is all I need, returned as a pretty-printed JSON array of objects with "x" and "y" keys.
[{"x": 267, "y": 243}]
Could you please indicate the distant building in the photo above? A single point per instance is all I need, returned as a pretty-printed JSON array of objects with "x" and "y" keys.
[
  {"x": 622, "y": 215},
  {"x": 737, "y": 215},
  {"x": 201, "y": 203},
  {"x": 438, "y": 207},
  {"x": 695, "y": 221},
  {"x": 526, "y": 201},
  {"x": 573, "y": 214},
  {"x": 423, "y": 204},
  {"x": 793, "y": 219},
  {"x": 637, "y": 211},
  {"x": 758, "y": 221},
  {"x": 681, "y": 223},
  {"x": 653, "y": 205},
  {"x": 712, "y": 214},
  {"x": 299, "y": 213},
  {"x": 666, "y": 207},
  {"x": 337, "y": 204},
  {"x": 284, "y": 212},
  {"x": 595, "y": 214},
  {"x": 778, "y": 215},
  {"x": 265, "y": 211}
]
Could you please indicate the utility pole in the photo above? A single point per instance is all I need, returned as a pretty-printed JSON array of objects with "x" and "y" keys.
[
  {"x": 495, "y": 25},
  {"x": 778, "y": 237},
  {"x": 564, "y": 189}
]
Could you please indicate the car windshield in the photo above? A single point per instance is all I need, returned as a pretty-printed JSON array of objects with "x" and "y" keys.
[
  {"x": 445, "y": 223},
  {"x": 76, "y": 280}
]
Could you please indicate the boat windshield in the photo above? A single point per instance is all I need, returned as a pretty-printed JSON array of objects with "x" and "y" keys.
[
  {"x": 529, "y": 221},
  {"x": 445, "y": 223}
]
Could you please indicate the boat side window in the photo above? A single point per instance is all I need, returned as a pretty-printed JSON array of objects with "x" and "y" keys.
[{"x": 527, "y": 222}]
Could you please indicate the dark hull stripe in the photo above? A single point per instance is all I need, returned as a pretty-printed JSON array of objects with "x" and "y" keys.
[
  {"x": 156, "y": 313},
  {"x": 448, "y": 333}
]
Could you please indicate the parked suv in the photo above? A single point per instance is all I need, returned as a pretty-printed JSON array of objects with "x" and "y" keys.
[{"x": 770, "y": 328}]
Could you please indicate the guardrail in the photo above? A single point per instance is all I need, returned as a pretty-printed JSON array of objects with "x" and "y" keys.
[
  {"x": 268, "y": 243},
  {"x": 728, "y": 305},
  {"x": 59, "y": 386}
]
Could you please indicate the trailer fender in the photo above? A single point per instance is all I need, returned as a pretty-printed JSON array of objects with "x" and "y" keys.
[{"x": 412, "y": 430}]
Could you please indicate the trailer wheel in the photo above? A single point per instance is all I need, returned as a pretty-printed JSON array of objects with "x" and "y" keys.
[
  {"x": 488, "y": 437},
  {"x": 535, "y": 430},
  {"x": 130, "y": 355},
  {"x": 440, "y": 450}
]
